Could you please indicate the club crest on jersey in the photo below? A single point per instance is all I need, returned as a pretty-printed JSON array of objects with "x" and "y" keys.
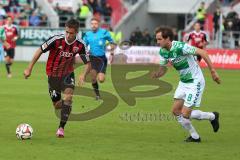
[
  {"x": 75, "y": 49},
  {"x": 66, "y": 54}
]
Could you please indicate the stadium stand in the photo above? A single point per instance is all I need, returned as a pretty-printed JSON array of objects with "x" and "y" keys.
[
  {"x": 118, "y": 12},
  {"x": 85, "y": 9},
  {"x": 115, "y": 14},
  {"x": 221, "y": 20},
  {"x": 24, "y": 12}
]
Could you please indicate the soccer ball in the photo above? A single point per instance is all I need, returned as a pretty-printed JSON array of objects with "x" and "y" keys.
[{"x": 24, "y": 131}]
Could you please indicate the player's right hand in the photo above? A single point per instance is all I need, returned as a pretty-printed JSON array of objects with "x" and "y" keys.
[
  {"x": 215, "y": 77},
  {"x": 27, "y": 73},
  {"x": 111, "y": 59},
  {"x": 81, "y": 80},
  {"x": 7, "y": 45}
]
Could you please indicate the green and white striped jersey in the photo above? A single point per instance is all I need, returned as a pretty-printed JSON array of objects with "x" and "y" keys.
[
  {"x": 2, "y": 34},
  {"x": 181, "y": 56}
]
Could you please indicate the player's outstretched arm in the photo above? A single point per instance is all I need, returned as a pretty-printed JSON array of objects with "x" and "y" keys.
[
  {"x": 161, "y": 72},
  {"x": 206, "y": 58},
  {"x": 28, "y": 70}
]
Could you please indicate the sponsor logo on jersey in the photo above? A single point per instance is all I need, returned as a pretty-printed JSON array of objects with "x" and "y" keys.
[
  {"x": 177, "y": 60},
  {"x": 65, "y": 54}
]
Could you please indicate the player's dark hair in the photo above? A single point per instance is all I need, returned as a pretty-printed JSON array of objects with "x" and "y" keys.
[
  {"x": 166, "y": 32},
  {"x": 197, "y": 23},
  {"x": 73, "y": 23}
]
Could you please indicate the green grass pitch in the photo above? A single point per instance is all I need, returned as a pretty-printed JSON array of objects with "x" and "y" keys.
[{"x": 110, "y": 137}]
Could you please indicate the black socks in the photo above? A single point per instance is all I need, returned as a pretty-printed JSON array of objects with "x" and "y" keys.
[
  {"x": 8, "y": 67},
  {"x": 95, "y": 88},
  {"x": 65, "y": 112}
]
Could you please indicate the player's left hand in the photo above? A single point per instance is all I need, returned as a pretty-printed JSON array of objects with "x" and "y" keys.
[
  {"x": 7, "y": 45},
  {"x": 14, "y": 39},
  {"x": 81, "y": 80},
  {"x": 215, "y": 77}
]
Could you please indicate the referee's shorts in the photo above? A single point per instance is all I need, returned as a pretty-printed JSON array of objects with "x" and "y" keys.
[{"x": 99, "y": 63}]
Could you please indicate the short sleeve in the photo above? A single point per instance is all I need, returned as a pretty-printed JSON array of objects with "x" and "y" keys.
[
  {"x": 85, "y": 39},
  {"x": 16, "y": 30},
  {"x": 187, "y": 37},
  {"x": 84, "y": 53},
  {"x": 188, "y": 49},
  {"x": 206, "y": 37},
  {"x": 163, "y": 61},
  {"x": 2, "y": 34},
  {"x": 108, "y": 37},
  {"x": 48, "y": 44}
]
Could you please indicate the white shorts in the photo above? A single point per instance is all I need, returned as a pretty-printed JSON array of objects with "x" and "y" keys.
[
  {"x": 1, "y": 52},
  {"x": 191, "y": 93}
]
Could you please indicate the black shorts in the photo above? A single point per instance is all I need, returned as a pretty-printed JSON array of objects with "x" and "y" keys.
[
  {"x": 99, "y": 63},
  {"x": 58, "y": 84},
  {"x": 10, "y": 52}
]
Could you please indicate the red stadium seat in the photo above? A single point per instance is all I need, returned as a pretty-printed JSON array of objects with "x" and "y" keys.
[
  {"x": 24, "y": 23},
  {"x": 118, "y": 12}
]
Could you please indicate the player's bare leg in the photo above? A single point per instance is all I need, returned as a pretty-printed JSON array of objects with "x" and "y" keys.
[
  {"x": 177, "y": 107},
  {"x": 101, "y": 77},
  {"x": 182, "y": 114},
  {"x": 95, "y": 86},
  {"x": 65, "y": 111}
]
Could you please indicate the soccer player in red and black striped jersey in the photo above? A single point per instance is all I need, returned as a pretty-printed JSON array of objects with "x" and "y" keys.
[
  {"x": 198, "y": 38},
  {"x": 62, "y": 51},
  {"x": 11, "y": 38}
]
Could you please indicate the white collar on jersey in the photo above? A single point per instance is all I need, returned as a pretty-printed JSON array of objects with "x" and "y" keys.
[
  {"x": 68, "y": 42},
  {"x": 197, "y": 33},
  {"x": 8, "y": 27}
]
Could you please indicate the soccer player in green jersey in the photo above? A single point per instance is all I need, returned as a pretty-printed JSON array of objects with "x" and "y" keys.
[
  {"x": 191, "y": 86},
  {"x": 2, "y": 42},
  {"x": 2, "y": 39}
]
